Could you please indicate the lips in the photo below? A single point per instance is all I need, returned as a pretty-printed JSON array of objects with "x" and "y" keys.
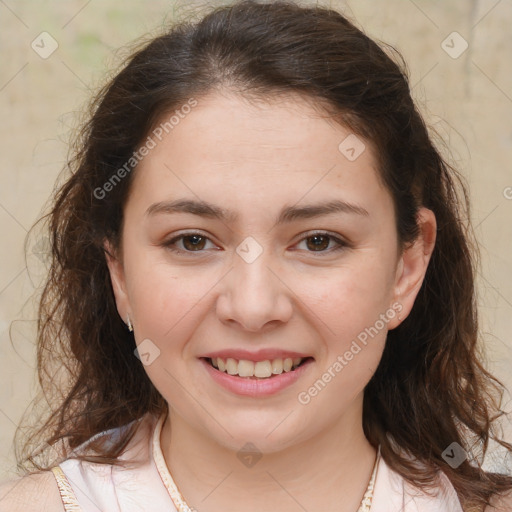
[
  {"x": 264, "y": 363},
  {"x": 259, "y": 369},
  {"x": 252, "y": 385}
]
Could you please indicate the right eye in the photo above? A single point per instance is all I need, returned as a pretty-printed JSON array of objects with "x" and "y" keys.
[{"x": 191, "y": 242}]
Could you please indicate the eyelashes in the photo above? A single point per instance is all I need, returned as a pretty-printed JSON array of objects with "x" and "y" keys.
[
  {"x": 185, "y": 236},
  {"x": 196, "y": 243}
]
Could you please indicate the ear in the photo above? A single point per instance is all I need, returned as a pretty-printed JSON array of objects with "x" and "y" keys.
[
  {"x": 413, "y": 263},
  {"x": 117, "y": 278}
]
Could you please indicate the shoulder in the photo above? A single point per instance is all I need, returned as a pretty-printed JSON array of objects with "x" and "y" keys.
[
  {"x": 30, "y": 493},
  {"x": 393, "y": 492}
]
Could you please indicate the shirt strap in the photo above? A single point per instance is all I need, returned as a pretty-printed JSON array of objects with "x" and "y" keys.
[{"x": 66, "y": 492}]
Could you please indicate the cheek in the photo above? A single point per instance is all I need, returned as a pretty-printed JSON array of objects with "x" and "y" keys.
[
  {"x": 165, "y": 300},
  {"x": 168, "y": 310},
  {"x": 351, "y": 315},
  {"x": 350, "y": 298},
  {"x": 166, "y": 304},
  {"x": 352, "y": 311}
]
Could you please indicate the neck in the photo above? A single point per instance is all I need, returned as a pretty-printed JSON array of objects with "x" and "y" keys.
[{"x": 328, "y": 472}]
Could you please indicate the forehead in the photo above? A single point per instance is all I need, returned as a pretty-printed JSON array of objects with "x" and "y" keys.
[
  {"x": 239, "y": 149},
  {"x": 234, "y": 124}
]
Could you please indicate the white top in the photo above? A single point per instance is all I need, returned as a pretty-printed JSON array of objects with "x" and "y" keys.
[{"x": 92, "y": 487}]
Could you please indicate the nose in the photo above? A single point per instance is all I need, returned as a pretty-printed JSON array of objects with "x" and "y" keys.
[{"x": 254, "y": 296}]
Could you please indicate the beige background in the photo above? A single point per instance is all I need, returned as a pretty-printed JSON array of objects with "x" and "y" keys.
[{"x": 467, "y": 99}]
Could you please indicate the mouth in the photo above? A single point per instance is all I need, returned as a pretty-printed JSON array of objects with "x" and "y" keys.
[{"x": 257, "y": 370}]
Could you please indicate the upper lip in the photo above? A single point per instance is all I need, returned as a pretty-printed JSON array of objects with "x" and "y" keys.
[{"x": 259, "y": 355}]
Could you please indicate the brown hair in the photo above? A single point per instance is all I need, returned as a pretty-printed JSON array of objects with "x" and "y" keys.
[{"x": 430, "y": 389}]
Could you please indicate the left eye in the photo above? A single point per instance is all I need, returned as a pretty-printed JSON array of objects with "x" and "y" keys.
[
  {"x": 192, "y": 242},
  {"x": 321, "y": 241},
  {"x": 195, "y": 242}
]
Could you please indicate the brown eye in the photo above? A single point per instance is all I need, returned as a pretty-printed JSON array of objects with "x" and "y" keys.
[
  {"x": 188, "y": 243},
  {"x": 193, "y": 242},
  {"x": 318, "y": 242}
]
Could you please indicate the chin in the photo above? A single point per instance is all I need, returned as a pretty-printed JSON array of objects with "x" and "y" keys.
[{"x": 268, "y": 436}]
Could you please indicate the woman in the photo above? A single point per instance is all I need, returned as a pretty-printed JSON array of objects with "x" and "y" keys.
[{"x": 261, "y": 289}]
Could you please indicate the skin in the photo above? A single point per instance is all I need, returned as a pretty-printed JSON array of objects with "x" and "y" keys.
[{"x": 254, "y": 159}]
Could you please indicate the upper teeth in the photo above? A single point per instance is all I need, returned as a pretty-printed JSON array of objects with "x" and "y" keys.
[{"x": 262, "y": 369}]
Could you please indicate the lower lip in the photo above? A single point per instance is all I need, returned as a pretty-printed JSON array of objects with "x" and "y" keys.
[{"x": 256, "y": 387}]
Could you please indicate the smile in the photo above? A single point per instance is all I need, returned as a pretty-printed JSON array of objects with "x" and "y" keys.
[
  {"x": 256, "y": 369},
  {"x": 256, "y": 379}
]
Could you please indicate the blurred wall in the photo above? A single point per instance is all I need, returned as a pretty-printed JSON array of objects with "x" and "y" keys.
[{"x": 54, "y": 54}]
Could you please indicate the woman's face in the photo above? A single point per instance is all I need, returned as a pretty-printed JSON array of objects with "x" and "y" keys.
[{"x": 261, "y": 233}]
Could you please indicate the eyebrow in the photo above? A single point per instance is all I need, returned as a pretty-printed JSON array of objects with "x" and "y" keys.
[{"x": 287, "y": 214}]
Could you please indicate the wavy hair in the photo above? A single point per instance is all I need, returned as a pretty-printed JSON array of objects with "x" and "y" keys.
[{"x": 431, "y": 388}]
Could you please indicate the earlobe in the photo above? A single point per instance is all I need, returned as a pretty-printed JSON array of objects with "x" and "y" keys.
[
  {"x": 117, "y": 278},
  {"x": 413, "y": 264}
]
